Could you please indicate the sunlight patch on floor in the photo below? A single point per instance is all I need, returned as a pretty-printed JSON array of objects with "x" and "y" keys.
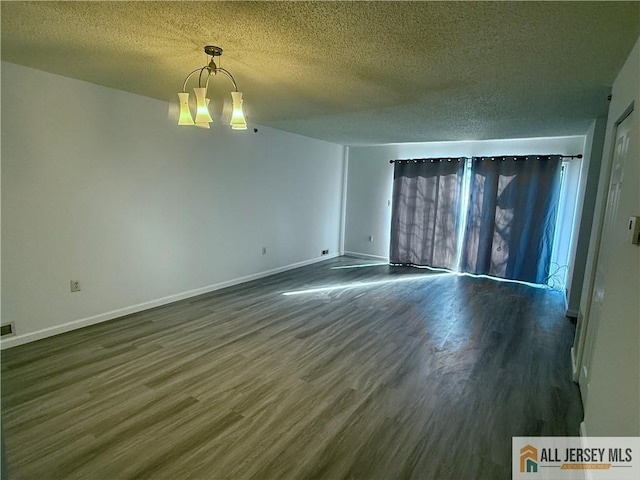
[
  {"x": 375, "y": 283},
  {"x": 360, "y": 266}
]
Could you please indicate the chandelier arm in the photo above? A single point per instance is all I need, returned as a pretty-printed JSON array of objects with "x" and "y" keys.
[
  {"x": 184, "y": 85},
  {"x": 222, "y": 70},
  {"x": 211, "y": 74},
  {"x": 186, "y": 80},
  {"x": 206, "y": 67}
]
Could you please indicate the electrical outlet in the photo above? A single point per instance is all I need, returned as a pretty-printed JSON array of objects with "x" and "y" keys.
[
  {"x": 7, "y": 329},
  {"x": 634, "y": 230},
  {"x": 325, "y": 252},
  {"x": 75, "y": 285},
  {"x": 371, "y": 238},
  {"x": 264, "y": 250}
]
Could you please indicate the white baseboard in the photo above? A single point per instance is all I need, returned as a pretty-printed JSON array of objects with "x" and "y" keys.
[
  {"x": 571, "y": 313},
  {"x": 16, "y": 340},
  {"x": 367, "y": 256}
]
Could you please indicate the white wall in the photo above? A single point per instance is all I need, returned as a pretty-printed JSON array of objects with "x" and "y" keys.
[
  {"x": 100, "y": 186},
  {"x": 613, "y": 384},
  {"x": 370, "y": 180}
]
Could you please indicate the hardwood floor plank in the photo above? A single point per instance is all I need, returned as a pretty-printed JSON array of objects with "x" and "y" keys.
[{"x": 372, "y": 373}]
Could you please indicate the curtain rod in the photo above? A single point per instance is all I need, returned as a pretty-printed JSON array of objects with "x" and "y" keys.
[{"x": 494, "y": 156}]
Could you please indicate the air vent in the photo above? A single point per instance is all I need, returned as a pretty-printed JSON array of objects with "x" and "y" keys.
[{"x": 7, "y": 329}]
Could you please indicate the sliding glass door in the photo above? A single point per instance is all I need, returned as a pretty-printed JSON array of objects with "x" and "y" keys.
[{"x": 499, "y": 219}]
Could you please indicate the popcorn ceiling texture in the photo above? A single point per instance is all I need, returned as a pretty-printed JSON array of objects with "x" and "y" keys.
[{"x": 354, "y": 73}]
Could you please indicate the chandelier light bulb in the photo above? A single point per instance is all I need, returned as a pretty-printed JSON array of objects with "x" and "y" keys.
[
  {"x": 202, "y": 112},
  {"x": 185, "y": 115},
  {"x": 238, "y": 121},
  {"x": 204, "y": 124}
]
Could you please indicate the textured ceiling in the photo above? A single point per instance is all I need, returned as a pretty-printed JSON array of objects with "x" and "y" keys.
[{"x": 353, "y": 73}]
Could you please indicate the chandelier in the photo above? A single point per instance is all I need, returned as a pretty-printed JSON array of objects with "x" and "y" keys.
[{"x": 203, "y": 117}]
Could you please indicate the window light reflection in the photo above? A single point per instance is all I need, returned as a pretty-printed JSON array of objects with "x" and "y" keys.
[
  {"x": 506, "y": 280},
  {"x": 442, "y": 273},
  {"x": 345, "y": 286},
  {"x": 361, "y": 266}
]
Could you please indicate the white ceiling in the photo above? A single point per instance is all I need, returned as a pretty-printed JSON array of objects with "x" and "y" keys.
[{"x": 353, "y": 73}]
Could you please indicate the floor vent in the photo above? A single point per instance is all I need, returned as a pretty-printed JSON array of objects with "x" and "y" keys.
[{"x": 6, "y": 329}]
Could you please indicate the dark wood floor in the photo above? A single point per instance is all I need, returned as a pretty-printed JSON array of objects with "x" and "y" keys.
[{"x": 422, "y": 375}]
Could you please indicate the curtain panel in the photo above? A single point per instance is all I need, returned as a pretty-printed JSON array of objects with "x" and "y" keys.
[
  {"x": 425, "y": 216},
  {"x": 511, "y": 217}
]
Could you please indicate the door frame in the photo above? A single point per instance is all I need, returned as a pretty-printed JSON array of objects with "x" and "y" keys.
[{"x": 586, "y": 330}]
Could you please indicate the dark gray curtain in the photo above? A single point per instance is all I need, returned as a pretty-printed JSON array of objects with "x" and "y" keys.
[
  {"x": 511, "y": 217},
  {"x": 424, "y": 219}
]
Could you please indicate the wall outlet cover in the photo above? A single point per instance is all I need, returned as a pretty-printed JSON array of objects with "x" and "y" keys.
[
  {"x": 634, "y": 230},
  {"x": 7, "y": 329}
]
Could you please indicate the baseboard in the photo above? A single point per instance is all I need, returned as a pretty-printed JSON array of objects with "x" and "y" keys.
[
  {"x": 14, "y": 341},
  {"x": 366, "y": 256}
]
